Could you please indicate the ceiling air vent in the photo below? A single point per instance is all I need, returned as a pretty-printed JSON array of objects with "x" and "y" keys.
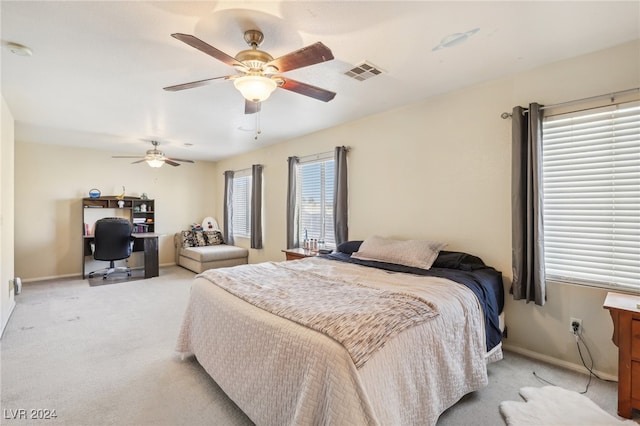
[{"x": 363, "y": 71}]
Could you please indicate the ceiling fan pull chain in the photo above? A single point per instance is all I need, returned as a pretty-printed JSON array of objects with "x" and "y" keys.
[{"x": 258, "y": 131}]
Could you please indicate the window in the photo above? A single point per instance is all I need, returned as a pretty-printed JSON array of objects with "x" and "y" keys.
[
  {"x": 314, "y": 197},
  {"x": 242, "y": 203},
  {"x": 591, "y": 181}
]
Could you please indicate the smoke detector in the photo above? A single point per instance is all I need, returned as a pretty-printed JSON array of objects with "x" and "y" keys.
[{"x": 18, "y": 49}]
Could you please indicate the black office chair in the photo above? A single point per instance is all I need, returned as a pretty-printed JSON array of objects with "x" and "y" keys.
[{"x": 112, "y": 241}]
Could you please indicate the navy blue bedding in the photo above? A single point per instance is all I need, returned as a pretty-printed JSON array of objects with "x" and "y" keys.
[{"x": 463, "y": 268}]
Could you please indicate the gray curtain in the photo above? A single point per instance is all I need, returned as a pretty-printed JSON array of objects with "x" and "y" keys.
[
  {"x": 340, "y": 196},
  {"x": 527, "y": 206},
  {"x": 256, "y": 206},
  {"x": 228, "y": 207},
  {"x": 292, "y": 214}
]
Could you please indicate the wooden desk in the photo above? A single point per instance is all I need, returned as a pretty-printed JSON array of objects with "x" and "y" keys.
[
  {"x": 147, "y": 242},
  {"x": 626, "y": 336},
  {"x": 150, "y": 246}
]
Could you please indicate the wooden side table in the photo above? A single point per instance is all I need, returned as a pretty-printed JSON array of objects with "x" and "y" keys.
[
  {"x": 299, "y": 253},
  {"x": 625, "y": 313}
]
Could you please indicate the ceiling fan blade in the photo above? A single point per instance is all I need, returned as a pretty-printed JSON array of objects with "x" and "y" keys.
[
  {"x": 171, "y": 163},
  {"x": 307, "y": 90},
  {"x": 195, "y": 83},
  {"x": 180, "y": 159},
  {"x": 139, "y": 161},
  {"x": 251, "y": 107},
  {"x": 306, "y": 56},
  {"x": 208, "y": 49}
]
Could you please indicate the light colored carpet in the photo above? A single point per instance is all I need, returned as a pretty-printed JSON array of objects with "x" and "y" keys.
[
  {"x": 105, "y": 355},
  {"x": 555, "y": 406}
]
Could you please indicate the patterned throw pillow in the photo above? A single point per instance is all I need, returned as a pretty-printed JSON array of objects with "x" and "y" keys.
[
  {"x": 198, "y": 239},
  {"x": 213, "y": 238},
  {"x": 187, "y": 239}
]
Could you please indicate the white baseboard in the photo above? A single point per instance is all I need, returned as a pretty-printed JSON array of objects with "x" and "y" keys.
[
  {"x": 51, "y": 277},
  {"x": 77, "y": 275},
  {"x": 579, "y": 368},
  {"x": 4, "y": 326}
]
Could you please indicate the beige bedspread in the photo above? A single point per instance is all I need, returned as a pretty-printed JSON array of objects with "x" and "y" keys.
[
  {"x": 281, "y": 373},
  {"x": 360, "y": 318}
]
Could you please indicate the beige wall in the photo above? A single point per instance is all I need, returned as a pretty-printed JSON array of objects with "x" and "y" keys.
[
  {"x": 7, "y": 302},
  {"x": 440, "y": 169},
  {"x": 51, "y": 180},
  {"x": 603, "y": 72}
]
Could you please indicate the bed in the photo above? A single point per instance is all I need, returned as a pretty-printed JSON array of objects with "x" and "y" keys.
[{"x": 281, "y": 370}]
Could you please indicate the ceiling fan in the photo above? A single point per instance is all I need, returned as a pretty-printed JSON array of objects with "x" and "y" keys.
[
  {"x": 154, "y": 157},
  {"x": 258, "y": 72}
]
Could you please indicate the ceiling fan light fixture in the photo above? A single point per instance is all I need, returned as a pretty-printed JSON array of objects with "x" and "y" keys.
[
  {"x": 154, "y": 158},
  {"x": 154, "y": 162},
  {"x": 255, "y": 88}
]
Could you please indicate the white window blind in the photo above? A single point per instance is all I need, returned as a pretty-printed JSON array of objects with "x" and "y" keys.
[
  {"x": 591, "y": 181},
  {"x": 315, "y": 199},
  {"x": 242, "y": 203}
]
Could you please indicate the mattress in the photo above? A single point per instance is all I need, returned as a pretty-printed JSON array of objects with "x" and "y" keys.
[{"x": 280, "y": 372}]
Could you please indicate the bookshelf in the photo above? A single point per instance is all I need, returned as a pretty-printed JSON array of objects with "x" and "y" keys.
[{"x": 140, "y": 212}]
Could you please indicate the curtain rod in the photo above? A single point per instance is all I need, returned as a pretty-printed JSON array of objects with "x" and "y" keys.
[
  {"x": 320, "y": 155},
  {"x": 247, "y": 169},
  {"x": 506, "y": 115}
]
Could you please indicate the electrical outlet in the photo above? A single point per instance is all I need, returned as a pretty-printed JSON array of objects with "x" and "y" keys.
[{"x": 577, "y": 330}]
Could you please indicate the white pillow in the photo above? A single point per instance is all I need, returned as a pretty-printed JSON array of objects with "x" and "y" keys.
[{"x": 416, "y": 253}]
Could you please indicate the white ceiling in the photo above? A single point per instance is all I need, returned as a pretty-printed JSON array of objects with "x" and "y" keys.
[{"x": 98, "y": 68}]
